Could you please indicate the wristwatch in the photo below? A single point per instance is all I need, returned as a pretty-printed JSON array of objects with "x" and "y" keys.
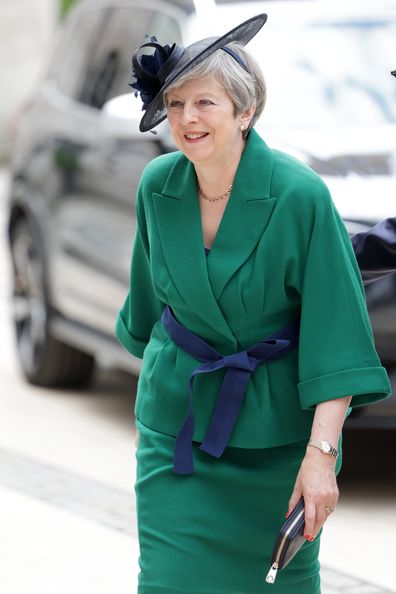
[{"x": 324, "y": 446}]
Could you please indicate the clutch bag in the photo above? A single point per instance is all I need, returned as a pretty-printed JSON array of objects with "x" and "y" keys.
[{"x": 289, "y": 541}]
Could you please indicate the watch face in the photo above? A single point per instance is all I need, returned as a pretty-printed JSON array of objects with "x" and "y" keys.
[{"x": 326, "y": 447}]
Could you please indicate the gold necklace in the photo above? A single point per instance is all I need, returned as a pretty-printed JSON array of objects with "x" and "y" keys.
[{"x": 215, "y": 198}]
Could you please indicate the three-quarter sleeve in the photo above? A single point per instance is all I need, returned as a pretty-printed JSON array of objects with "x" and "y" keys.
[
  {"x": 337, "y": 356},
  {"x": 142, "y": 307}
]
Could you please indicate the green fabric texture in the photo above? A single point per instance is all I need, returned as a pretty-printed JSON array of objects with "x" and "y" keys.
[
  {"x": 214, "y": 532},
  {"x": 281, "y": 252}
]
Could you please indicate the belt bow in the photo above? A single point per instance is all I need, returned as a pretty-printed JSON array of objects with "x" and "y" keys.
[{"x": 239, "y": 367}]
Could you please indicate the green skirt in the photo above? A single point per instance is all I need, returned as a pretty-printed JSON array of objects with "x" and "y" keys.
[{"x": 213, "y": 532}]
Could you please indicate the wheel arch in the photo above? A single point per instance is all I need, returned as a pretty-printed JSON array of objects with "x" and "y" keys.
[
  {"x": 30, "y": 207},
  {"x": 45, "y": 359}
]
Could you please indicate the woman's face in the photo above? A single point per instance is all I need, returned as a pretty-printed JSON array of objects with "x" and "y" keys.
[{"x": 203, "y": 123}]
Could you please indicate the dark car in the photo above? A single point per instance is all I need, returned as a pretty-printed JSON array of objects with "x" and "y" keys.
[{"x": 77, "y": 159}]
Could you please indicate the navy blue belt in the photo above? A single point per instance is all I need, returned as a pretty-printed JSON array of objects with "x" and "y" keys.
[{"x": 239, "y": 367}]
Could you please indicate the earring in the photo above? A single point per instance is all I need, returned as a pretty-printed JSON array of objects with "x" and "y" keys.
[{"x": 242, "y": 126}]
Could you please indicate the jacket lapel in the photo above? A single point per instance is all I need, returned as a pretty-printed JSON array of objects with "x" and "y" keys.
[
  {"x": 180, "y": 230},
  {"x": 246, "y": 216},
  {"x": 200, "y": 281}
]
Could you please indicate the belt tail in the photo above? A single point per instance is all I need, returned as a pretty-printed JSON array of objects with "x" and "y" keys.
[
  {"x": 226, "y": 412},
  {"x": 183, "y": 456}
]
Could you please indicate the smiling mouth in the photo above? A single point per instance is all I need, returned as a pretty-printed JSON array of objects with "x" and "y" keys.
[{"x": 195, "y": 136}]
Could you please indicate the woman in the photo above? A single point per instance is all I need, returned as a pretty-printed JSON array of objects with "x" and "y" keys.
[{"x": 252, "y": 352}]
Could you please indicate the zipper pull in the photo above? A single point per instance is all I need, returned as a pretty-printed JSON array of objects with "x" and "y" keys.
[{"x": 271, "y": 575}]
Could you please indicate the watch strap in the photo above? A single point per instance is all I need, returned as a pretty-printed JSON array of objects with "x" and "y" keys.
[{"x": 324, "y": 446}]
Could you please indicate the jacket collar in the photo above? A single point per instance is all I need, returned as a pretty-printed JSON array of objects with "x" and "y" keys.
[
  {"x": 201, "y": 281},
  {"x": 257, "y": 159}
]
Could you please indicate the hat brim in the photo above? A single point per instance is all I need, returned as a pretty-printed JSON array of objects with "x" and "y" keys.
[{"x": 243, "y": 33}]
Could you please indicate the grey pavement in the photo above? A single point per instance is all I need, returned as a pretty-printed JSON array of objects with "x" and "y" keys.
[{"x": 91, "y": 499}]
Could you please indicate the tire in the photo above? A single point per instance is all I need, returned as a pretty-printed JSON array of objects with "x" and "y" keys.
[{"x": 44, "y": 360}]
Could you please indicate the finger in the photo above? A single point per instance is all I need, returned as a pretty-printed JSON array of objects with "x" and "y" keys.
[
  {"x": 320, "y": 519},
  {"x": 310, "y": 517},
  {"x": 329, "y": 509},
  {"x": 294, "y": 499},
  {"x": 322, "y": 514}
]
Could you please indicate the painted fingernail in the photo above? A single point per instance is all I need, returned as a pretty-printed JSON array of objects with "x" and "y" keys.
[
  {"x": 287, "y": 514},
  {"x": 307, "y": 536},
  {"x": 311, "y": 538}
]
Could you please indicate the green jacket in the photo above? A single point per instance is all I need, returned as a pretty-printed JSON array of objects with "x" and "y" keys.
[{"x": 281, "y": 252}]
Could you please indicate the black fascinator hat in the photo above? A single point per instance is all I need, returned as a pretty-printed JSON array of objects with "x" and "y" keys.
[{"x": 155, "y": 72}]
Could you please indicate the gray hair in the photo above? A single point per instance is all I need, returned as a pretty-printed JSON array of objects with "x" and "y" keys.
[{"x": 246, "y": 89}]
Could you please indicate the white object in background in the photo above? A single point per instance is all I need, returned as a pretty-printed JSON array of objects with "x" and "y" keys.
[
  {"x": 26, "y": 33},
  {"x": 206, "y": 17}
]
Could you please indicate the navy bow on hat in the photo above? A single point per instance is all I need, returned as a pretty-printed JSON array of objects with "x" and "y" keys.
[{"x": 151, "y": 70}]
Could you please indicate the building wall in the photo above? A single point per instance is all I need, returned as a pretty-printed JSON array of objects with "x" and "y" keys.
[{"x": 27, "y": 30}]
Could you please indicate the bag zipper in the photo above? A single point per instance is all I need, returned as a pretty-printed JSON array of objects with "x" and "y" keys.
[{"x": 271, "y": 575}]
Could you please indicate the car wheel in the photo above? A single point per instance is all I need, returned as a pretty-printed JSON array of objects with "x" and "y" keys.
[{"x": 45, "y": 361}]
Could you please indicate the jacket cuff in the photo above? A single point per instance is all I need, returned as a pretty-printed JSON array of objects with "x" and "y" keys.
[
  {"x": 133, "y": 345},
  {"x": 366, "y": 385}
]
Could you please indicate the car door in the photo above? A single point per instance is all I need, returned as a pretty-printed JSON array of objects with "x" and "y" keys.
[{"x": 95, "y": 218}]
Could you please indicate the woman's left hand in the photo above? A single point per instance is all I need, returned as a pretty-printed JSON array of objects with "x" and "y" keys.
[{"x": 316, "y": 482}]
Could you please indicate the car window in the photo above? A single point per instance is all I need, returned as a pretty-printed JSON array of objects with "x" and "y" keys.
[
  {"x": 109, "y": 69},
  {"x": 71, "y": 58}
]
